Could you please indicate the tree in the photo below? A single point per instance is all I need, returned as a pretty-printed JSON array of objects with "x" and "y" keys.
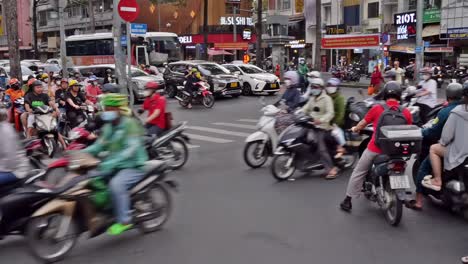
[
  {"x": 11, "y": 15},
  {"x": 259, "y": 33},
  {"x": 34, "y": 25},
  {"x": 318, "y": 35}
]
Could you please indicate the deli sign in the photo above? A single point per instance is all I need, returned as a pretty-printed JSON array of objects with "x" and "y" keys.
[{"x": 405, "y": 24}]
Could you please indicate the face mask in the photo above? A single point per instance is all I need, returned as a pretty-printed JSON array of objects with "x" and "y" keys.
[
  {"x": 315, "y": 91},
  {"x": 147, "y": 93},
  {"x": 287, "y": 83},
  {"x": 109, "y": 116},
  {"x": 46, "y": 80},
  {"x": 95, "y": 83},
  {"x": 331, "y": 89},
  {"x": 426, "y": 77},
  {"x": 15, "y": 87},
  {"x": 57, "y": 82}
]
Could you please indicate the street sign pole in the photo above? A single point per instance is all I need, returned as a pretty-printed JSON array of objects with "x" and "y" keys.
[
  {"x": 63, "y": 51},
  {"x": 118, "y": 55},
  {"x": 419, "y": 39},
  {"x": 129, "y": 64}
]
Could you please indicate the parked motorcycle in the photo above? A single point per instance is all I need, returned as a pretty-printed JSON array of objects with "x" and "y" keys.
[
  {"x": 72, "y": 209},
  {"x": 202, "y": 96}
]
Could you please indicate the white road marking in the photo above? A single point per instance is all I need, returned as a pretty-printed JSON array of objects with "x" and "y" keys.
[
  {"x": 248, "y": 120},
  {"x": 236, "y": 125},
  {"x": 190, "y": 146},
  {"x": 128, "y": 9},
  {"x": 209, "y": 139},
  {"x": 218, "y": 131}
]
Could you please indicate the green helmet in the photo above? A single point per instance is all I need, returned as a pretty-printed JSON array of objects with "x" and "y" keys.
[{"x": 115, "y": 100}]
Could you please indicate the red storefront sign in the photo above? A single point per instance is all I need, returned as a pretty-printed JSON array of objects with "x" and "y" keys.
[
  {"x": 351, "y": 41},
  {"x": 222, "y": 41}
]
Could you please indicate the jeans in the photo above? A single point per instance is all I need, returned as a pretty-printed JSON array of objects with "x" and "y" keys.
[
  {"x": 424, "y": 111},
  {"x": 424, "y": 169},
  {"x": 153, "y": 130},
  {"x": 359, "y": 173},
  {"x": 339, "y": 135},
  {"x": 119, "y": 187},
  {"x": 7, "y": 177},
  {"x": 325, "y": 157}
]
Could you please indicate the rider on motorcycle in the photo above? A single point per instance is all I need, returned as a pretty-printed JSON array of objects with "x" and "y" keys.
[
  {"x": 303, "y": 70},
  {"x": 452, "y": 146},
  {"x": 291, "y": 95},
  {"x": 320, "y": 108},
  {"x": 427, "y": 97},
  {"x": 310, "y": 76},
  {"x": 75, "y": 99},
  {"x": 392, "y": 95},
  {"x": 14, "y": 91},
  {"x": 431, "y": 135},
  {"x": 193, "y": 77},
  {"x": 121, "y": 140},
  {"x": 155, "y": 104},
  {"x": 339, "y": 106}
]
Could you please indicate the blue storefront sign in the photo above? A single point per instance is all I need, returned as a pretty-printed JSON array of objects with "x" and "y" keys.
[
  {"x": 138, "y": 29},
  {"x": 123, "y": 41}
]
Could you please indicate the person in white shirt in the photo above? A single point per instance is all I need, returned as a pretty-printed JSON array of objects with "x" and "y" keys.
[
  {"x": 400, "y": 73},
  {"x": 427, "y": 94}
]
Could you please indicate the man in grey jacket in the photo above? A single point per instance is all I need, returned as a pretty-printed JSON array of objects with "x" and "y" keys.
[{"x": 452, "y": 145}]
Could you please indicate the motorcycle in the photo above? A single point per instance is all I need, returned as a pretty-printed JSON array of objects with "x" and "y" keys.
[
  {"x": 89, "y": 116},
  {"x": 461, "y": 74},
  {"x": 386, "y": 183},
  {"x": 46, "y": 128},
  {"x": 17, "y": 111},
  {"x": 72, "y": 209},
  {"x": 202, "y": 96}
]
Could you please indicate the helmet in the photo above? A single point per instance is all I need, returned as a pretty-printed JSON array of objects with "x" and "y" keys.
[
  {"x": 74, "y": 83},
  {"x": 334, "y": 82},
  {"x": 465, "y": 89},
  {"x": 392, "y": 90},
  {"x": 115, "y": 100},
  {"x": 316, "y": 82},
  {"x": 110, "y": 88},
  {"x": 314, "y": 74},
  {"x": 426, "y": 70},
  {"x": 194, "y": 69},
  {"x": 109, "y": 71},
  {"x": 34, "y": 84},
  {"x": 293, "y": 76},
  {"x": 31, "y": 81},
  {"x": 43, "y": 76},
  {"x": 390, "y": 74},
  {"x": 30, "y": 77},
  {"x": 152, "y": 86},
  {"x": 13, "y": 81},
  {"x": 454, "y": 91},
  {"x": 92, "y": 78},
  {"x": 64, "y": 80}
]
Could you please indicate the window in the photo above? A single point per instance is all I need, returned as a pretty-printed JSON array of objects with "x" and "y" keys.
[
  {"x": 327, "y": 14},
  {"x": 412, "y": 4},
  {"x": 212, "y": 69},
  {"x": 90, "y": 47},
  {"x": 251, "y": 69},
  {"x": 373, "y": 10},
  {"x": 286, "y": 4},
  {"x": 230, "y": 8},
  {"x": 231, "y": 68},
  {"x": 42, "y": 18},
  {"x": 75, "y": 11}
]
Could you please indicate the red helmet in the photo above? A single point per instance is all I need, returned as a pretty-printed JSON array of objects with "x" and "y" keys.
[
  {"x": 152, "y": 86},
  {"x": 13, "y": 81}
]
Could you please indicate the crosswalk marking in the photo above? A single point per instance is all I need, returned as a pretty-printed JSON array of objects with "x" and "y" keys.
[
  {"x": 209, "y": 139},
  {"x": 248, "y": 120},
  {"x": 235, "y": 125},
  {"x": 218, "y": 131}
]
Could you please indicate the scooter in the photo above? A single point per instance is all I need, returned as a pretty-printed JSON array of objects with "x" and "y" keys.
[
  {"x": 17, "y": 111},
  {"x": 202, "y": 96},
  {"x": 46, "y": 129}
]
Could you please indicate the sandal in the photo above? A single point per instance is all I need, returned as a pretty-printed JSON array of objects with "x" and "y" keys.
[
  {"x": 332, "y": 174},
  {"x": 412, "y": 205},
  {"x": 427, "y": 183}
]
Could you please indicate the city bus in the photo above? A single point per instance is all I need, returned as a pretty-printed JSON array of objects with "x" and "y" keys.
[{"x": 154, "y": 48}]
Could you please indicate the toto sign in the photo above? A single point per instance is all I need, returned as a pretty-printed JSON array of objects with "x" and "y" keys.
[{"x": 406, "y": 25}]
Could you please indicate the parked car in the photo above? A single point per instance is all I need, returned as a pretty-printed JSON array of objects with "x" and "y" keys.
[
  {"x": 25, "y": 72},
  {"x": 253, "y": 79},
  {"x": 221, "y": 81},
  {"x": 54, "y": 61},
  {"x": 139, "y": 77}
]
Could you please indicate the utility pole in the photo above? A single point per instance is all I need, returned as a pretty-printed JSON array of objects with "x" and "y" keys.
[
  {"x": 234, "y": 24},
  {"x": 205, "y": 29},
  {"x": 129, "y": 61},
  {"x": 318, "y": 34},
  {"x": 11, "y": 16},
  {"x": 92, "y": 19},
  {"x": 259, "y": 33},
  {"x": 118, "y": 55},
  {"x": 419, "y": 39},
  {"x": 63, "y": 51},
  {"x": 382, "y": 25},
  {"x": 34, "y": 28},
  {"x": 159, "y": 15}
]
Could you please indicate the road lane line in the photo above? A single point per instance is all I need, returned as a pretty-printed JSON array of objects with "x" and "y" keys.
[
  {"x": 236, "y": 125},
  {"x": 190, "y": 146},
  {"x": 209, "y": 139},
  {"x": 218, "y": 131},
  {"x": 248, "y": 120}
]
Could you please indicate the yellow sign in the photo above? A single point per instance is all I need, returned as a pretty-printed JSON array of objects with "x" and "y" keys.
[
  {"x": 246, "y": 58},
  {"x": 1, "y": 25},
  {"x": 299, "y": 6}
]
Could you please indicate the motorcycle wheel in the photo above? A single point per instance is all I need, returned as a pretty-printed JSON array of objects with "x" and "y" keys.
[
  {"x": 251, "y": 156},
  {"x": 157, "y": 200},
  {"x": 40, "y": 235},
  {"x": 208, "y": 101},
  {"x": 279, "y": 170},
  {"x": 394, "y": 210},
  {"x": 50, "y": 146},
  {"x": 180, "y": 152}
]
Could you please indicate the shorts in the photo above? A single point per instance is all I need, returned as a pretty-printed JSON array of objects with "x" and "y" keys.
[{"x": 31, "y": 120}]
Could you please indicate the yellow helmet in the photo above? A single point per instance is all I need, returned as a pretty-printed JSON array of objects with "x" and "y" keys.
[{"x": 74, "y": 83}]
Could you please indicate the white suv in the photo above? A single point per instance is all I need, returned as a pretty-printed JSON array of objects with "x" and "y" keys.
[{"x": 254, "y": 80}]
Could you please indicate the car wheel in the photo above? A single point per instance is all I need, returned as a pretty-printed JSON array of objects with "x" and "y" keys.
[{"x": 247, "y": 90}]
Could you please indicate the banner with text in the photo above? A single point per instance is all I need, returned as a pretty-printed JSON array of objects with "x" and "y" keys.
[{"x": 370, "y": 41}]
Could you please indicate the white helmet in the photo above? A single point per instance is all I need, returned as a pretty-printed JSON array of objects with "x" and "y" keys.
[
  {"x": 293, "y": 76},
  {"x": 316, "y": 82},
  {"x": 314, "y": 74}
]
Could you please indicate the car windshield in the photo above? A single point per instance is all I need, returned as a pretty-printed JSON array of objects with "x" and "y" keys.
[
  {"x": 212, "y": 69},
  {"x": 138, "y": 73},
  {"x": 24, "y": 71},
  {"x": 251, "y": 69}
]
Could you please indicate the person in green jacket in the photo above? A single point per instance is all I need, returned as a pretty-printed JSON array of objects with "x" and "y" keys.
[
  {"x": 121, "y": 144},
  {"x": 303, "y": 70},
  {"x": 339, "y": 105}
]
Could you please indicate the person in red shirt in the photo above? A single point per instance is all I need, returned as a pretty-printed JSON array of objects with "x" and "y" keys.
[
  {"x": 392, "y": 95},
  {"x": 93, "y": 90},
  {"x": 376, "y": 79},
  {"x": 155, "y": 104}
]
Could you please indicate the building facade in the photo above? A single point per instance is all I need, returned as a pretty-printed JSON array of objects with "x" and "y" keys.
[{"x": 24, "y": 30}]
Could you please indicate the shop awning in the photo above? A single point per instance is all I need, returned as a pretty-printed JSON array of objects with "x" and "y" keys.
[
  {"x": 431, "y": 30},
  {"x": 213, "y": 52},
  {"x": 403, "y": 48},
  {"x": 295, "y": 19}
]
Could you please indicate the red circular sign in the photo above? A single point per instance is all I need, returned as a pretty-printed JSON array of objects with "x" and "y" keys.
[{"x": 128, "y": 10}]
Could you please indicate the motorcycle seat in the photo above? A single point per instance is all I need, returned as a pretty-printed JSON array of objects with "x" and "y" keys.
[
  {"x": 381, "y": 159},
  {"x": 154, "y": 167}
]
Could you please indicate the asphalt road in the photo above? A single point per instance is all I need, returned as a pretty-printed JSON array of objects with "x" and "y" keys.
[{"x": 230, "y": 214}]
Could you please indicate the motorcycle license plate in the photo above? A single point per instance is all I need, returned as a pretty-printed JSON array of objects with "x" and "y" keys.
[
  {"x": 399, "y": 182},
  {"x": 273, "y": 85},
  {"x": 233, "y": 85}
]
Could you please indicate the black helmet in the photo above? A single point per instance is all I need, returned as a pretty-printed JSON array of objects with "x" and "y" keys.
[
  {"x": 454, "y": 91},
  {"x": 35, "y": 83},
  {"x": 465, "y": 88},
  {"x": 390, "y": 74},
  {"x": 110, "y": 88},
  {"x": 392, "y": 90}
]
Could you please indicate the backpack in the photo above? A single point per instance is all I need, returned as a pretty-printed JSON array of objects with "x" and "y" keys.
[{"x": 391, "y": 116}]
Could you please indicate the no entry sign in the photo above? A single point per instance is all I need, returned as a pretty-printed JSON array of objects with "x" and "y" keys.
[{"x": 128, "y": 10}]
